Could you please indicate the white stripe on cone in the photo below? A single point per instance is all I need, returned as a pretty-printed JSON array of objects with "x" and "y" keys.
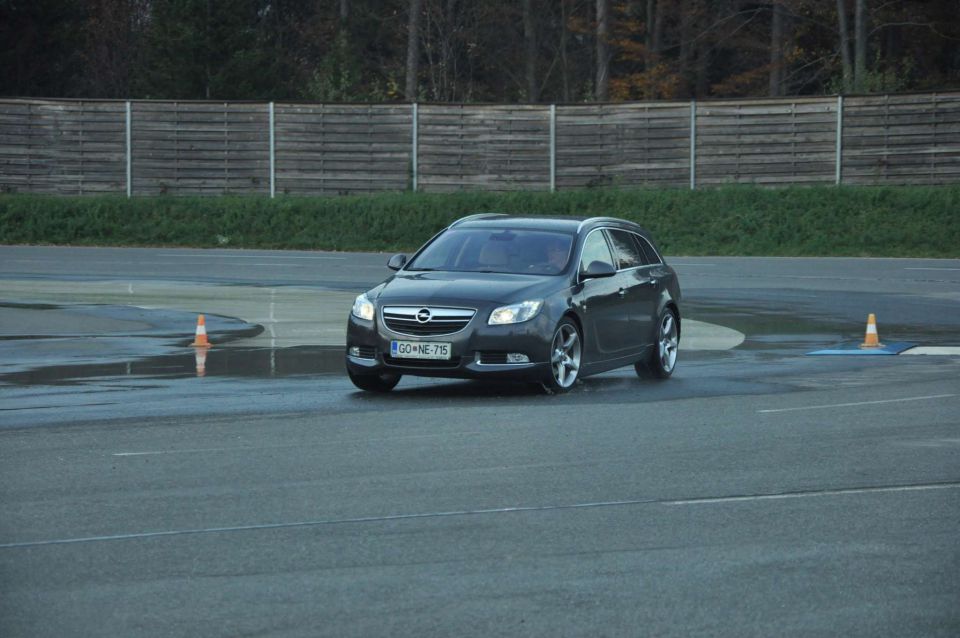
[{"x": 201, "y": 360}]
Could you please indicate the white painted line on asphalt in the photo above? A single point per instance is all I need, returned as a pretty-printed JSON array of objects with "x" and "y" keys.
[
  {"x": 812, "y": 494},
  {"x": 479, "y": 512},
  {"x": 317, "y": 523},
  {"x": 250, "y": 448},
  {"x": 235, "y": 256},
  {"x": 950, "y": 269},
  {"x": 200, "y": 450},
  {"x": 184, "y": 260},
  {"x": 933, "y": 350},
  {"x": 848, "y": 405}
]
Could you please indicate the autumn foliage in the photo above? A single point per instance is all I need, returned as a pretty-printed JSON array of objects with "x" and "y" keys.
[{"x": 473, "y": 50}]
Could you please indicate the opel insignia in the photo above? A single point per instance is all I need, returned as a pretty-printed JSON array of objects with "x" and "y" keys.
[{"x": 541, "y": 299}]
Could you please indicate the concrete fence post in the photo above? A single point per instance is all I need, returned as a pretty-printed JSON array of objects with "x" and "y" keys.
[
  {"x": 838, "y": 177},
  {"x": 129, "y": 146},
  {"x": 693, "y": 145},
  {"x": 553, "y": 148},
  {"x": 413, "y": 155},
  {"x": 273, "y": 153}
]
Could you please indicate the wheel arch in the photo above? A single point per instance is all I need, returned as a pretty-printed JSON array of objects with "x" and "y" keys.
[{"x": 570, "y": 314}]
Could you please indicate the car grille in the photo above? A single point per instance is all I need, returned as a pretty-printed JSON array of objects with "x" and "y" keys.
[
  {"x": 425, "y": 321},
  {"x": 421, "y": 363},
  {"x": 492, "y": 358}
]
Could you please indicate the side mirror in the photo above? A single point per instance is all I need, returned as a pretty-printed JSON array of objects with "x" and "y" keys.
[
  {"x": 597, "y": 270},
  {"x": 397, "y": 262}
]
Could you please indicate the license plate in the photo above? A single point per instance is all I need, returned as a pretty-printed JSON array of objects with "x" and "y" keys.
[{"x": 420, "y": 350}]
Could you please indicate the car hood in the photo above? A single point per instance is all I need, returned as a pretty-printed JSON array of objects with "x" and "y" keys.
[{"x": 461, "y": 287}]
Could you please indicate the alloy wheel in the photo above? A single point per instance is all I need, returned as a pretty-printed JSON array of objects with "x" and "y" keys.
[
  {"x": 565, "y": 355},
  {"x": 668, "y": 342}
]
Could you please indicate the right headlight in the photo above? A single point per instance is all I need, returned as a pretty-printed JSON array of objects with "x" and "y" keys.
[
  {"x": 363, "y": 308},
  {"x": 515, "y": 313}
]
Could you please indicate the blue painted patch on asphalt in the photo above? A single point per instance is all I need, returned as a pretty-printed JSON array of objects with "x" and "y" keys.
[{"x": 853, "y": 348}]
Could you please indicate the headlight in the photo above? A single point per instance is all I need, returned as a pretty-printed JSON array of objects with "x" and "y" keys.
[
  {"x": 363, "y": 308},
  {"x": 515, "y": 313}
]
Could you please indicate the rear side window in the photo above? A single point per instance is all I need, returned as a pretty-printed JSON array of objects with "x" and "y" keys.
[
  {"x": 625, "y": 250},
  {"x": 595, "y": 249},
  {"x": 651, "y": 255}
]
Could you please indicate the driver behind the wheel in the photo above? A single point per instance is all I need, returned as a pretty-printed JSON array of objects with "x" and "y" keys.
[{"x": 557, "y": 254}]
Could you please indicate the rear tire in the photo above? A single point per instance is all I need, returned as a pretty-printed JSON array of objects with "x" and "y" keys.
[
  {"x": 662, "y": 360},
  {"x": 374, "y": 382}
]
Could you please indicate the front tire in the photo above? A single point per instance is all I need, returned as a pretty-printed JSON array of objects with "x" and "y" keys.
[
  {"x": 663, "y": 356},
  {"x": 374, "y": 382},
  {"x": 565, "y": 356}
]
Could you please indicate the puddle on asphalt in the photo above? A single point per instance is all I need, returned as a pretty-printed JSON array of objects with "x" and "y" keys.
[
  {"x": 195, "y": 362},
  {"x": 771, "y": 334},
  {"x": 774, "y": 330}
]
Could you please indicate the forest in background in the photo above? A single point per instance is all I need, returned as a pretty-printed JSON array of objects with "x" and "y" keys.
[{"x": 474, "y": 50}]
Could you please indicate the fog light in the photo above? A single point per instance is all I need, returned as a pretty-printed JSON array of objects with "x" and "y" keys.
[
  {"x": 354, "y": 351},
  {"x": 516, "y": 357}
]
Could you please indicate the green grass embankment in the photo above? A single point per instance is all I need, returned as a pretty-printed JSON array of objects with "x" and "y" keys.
[{"x": 819, "y": 221}]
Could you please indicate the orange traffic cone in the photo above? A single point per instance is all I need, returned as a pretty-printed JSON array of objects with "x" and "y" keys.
[
  {"x": 871, "y": 339},
  {"x": 201, "y": 360},
  {"x": 200, "y": 341}
]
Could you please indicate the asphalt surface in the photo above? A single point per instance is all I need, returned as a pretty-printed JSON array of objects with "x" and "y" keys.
[{"x": 759, "y": 492}]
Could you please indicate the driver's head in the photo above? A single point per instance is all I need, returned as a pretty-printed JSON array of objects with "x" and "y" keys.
[{"x": 557, "y": 253}]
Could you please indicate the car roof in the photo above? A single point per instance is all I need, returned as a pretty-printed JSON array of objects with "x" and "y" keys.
[{"x": 568, "y": 224}]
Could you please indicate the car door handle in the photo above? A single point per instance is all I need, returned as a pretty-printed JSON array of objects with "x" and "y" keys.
[
  {"x": 650, "y": 282},
  {"x": 623, "y": 292}
]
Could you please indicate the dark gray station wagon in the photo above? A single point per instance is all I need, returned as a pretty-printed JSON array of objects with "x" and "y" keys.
[{"x": 539, "y": 299}]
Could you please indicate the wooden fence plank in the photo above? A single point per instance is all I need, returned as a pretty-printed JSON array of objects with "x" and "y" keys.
[{"x": 70, "y": 146}]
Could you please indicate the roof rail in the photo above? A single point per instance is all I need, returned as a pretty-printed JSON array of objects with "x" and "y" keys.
[
  {"x": 596, "y": 219},
  {"x": 476, "y": 217}
]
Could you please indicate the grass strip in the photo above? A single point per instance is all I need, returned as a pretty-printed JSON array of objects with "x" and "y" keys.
[{"x": 901, "y": 221}]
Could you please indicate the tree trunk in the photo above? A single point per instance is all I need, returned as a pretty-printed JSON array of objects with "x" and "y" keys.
[
  {"x": 659, "y": 17},
  {"x": 860, "y": 61},
  {"x": 845, "y": 46},
  {"x": 208, "y": 74},
  {"x": 701, "y": 71},
  {"x": 530, "y": 46},
  {"x": 776, "y": 51},
  {"x": 564, "y": 37},
  {"x": 648, "y": 59},
  {"x": 413, "y": 51},
  {"x": 686, "y": 45},
  {"x": 602, "y": 93}
]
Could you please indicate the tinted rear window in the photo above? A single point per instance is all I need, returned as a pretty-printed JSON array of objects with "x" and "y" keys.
[
  {"x": 625, "y": 250},
  {"x": 651, "y": 255}
]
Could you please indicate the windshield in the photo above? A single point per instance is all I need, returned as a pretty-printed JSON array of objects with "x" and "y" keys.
[{"x": 531, "y": 252}]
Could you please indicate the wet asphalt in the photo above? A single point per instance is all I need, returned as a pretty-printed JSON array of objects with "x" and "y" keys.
[{"x": 760, "y": 491}]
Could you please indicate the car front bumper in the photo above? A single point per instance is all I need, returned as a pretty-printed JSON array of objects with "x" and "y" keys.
[{"x": 470, "y": 348}]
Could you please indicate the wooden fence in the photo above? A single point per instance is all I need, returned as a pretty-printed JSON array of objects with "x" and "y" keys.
[{"x": 73, "y": 147}]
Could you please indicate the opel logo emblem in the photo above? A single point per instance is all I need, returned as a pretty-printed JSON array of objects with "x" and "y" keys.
[{"x": 423, "y": 315}]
